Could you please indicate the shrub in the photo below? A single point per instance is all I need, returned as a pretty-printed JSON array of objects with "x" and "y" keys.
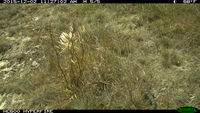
[
  {"x": 142, "y": 61},
  {"x": 5, "y": 45},
  {"x": 170, "y": 58}
]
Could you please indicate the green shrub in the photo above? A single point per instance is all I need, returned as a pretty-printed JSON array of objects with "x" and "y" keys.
[
  {"x": 5, "y": 45},
  {"x": 170, "y": 58},
  {"x": 142, "y": 61}
]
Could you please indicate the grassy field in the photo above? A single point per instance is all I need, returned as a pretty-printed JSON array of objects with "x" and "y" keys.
[{"x": 105, "y": 56}]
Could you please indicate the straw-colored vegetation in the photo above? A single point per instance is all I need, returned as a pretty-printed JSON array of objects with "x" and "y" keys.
[{"x": 106, "y": 56}]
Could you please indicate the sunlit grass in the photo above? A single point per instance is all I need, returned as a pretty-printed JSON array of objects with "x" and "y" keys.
[{"x": 108, "y": 56}]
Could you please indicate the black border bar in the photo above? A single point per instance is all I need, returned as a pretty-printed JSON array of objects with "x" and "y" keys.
[
  {"x": 94, "y": 1},
  {"x": 87, "y": 111},
  {"x": 91, "y": 111}
]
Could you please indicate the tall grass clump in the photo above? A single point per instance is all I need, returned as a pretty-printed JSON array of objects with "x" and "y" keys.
[
  {"x": 171, "y": 57},
  {"x": 72, "y": 46}
]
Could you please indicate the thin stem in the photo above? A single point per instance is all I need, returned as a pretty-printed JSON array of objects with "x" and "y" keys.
[{"x": 57, "y": 56}]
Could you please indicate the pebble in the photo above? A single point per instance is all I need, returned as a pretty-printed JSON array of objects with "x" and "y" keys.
[
  {"x": 3, "y": 63},
  {"x": 34, "y": 64}
]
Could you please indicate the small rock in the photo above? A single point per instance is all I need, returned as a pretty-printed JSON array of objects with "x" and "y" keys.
[
  {"x": 34, "y": 64},
  {"x": 36, "y": 18},
  {"x": 3, "y": 63}
]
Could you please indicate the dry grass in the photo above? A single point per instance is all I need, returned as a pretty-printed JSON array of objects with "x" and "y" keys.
[{"x": 112, "y": 57}]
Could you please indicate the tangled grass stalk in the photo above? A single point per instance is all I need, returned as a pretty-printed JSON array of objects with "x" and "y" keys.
[{"x": 73, "y": 44}]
